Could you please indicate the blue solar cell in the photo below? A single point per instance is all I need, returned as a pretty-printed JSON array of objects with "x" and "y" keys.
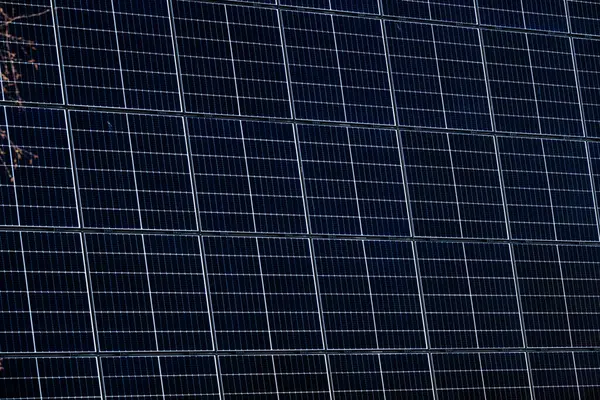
[
  {"x": 363, "y": 72},
  {"x": 257, "y": 54},
  {"x": 415, "y": 74},
  {"x": 314, "y": 67},
  {"x": 505, "y": 375},
  {"x": 526, "y": 182},
  {"x": 453, "y": 10},
  {"x": 580, "y": 280},
  {"x": 407, "y": 376},
  {"x": 236, "y": 286},
  {"x": 458, "y": 376},
  {"x": 430, "y": 182},
  {"x": 121, "y": 292},
  {"x": 322, "y": 4},
  {"x": 130, "y": 53},
  {"x": 33, "y": 74},
  {"x": 189, "y": 376},
  {"x": 176, "y": 282},
  {"x": 413, "y": 9},
  {"x": 105, "y": 170},
  {"x": 511, "y": 81},
  {"x": 447, "y": 295},
  {"x": 207, "y": 76},
  {"x": 570, "y": 186},
  {"x": 547, "y": 15},
  {"x": 43, "y": 192},
  {"x": 290, "y": 293},
  {"x": 379, "y": 186},
  {"x": 16, "y": 330},
  {"x": 301, "y": 376},
  {"x": 540, "y": 278},
  {"x": 477, "y": 186},
  {"x": 453, "y": 185},
  {"x": 555, "y": 85},
  {"x": 135, "y": 377},
  {"x": 582, "y": 14},
  {"x": 57, "y": 292},
  {"x": 356, "y": 373},
  {"x": 462, "y": 78},
  {"x": 61, "y": 378},
  {"x": 21, "y": 379},
  {"x": 587, "y": 368},
  {"x": 346, "y": 295},
  {"x": 503, "y": 13},
  {"x": 586, "y": 56},
  {"x": 553, "y": 374},
  {"x": 394, "y": 289},
  {"x": 493, "y": 290},
  {"x": 250, "y": 376},
  {"x": 367, "y": 6},
  {"x": 329, "y": 179}
]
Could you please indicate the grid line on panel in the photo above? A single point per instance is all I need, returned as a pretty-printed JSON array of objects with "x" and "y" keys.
[
  {"x": 370, "y": 296},
  {"x": 396, "y": 122},
  {"x": 96, "y": 334},
  {"x": 482, "y": 376},
  {"x": 562, "y": 282},
  {"x": 88, "y": 286},
  {"x": 12, "y": 166},
  {"x": 422, "y": 300},
  {"x": 151, "y": 302},
  {"x": 114, "y": 16},
  {"x": 576, "y": 375},
  {"x": 204, "y": 268},
  {"x": 549, "y": 189},
  {"x": 535, "y": 95},
  {"x": 264, "y": 293},
  {"x": 28, "y": 293},
  {"x": 59, "y": 57},
  {"x": 135, "y": 183},
  {"x": 337, "y": 58},
  {"x": 520, "y": 310},
  {"x": 439, "y": 75},
  {"x": 160, "y": 374},
  {"x": 233, "y": 69},
  {"x": 176, "y": 55},
  {"x": 286, "y": 64},
  {"x": 454, "y": 185},
  {"x": 485, "y": 70},
  {"x": 477, "y": 344},
  {"x": 100, "y": 378}
]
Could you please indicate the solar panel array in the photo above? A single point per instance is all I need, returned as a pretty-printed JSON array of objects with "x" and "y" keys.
[{"x": 296, "y": 199}]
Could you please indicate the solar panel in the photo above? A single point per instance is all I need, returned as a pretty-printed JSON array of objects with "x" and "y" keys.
[{"x": 299, "y": 199}]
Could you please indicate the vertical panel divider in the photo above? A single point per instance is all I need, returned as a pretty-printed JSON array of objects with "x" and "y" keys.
[
  {"x": 304, "y": 197},
  {"x": 408, "y": 205},
  {"x": 504, "y": 199}
]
